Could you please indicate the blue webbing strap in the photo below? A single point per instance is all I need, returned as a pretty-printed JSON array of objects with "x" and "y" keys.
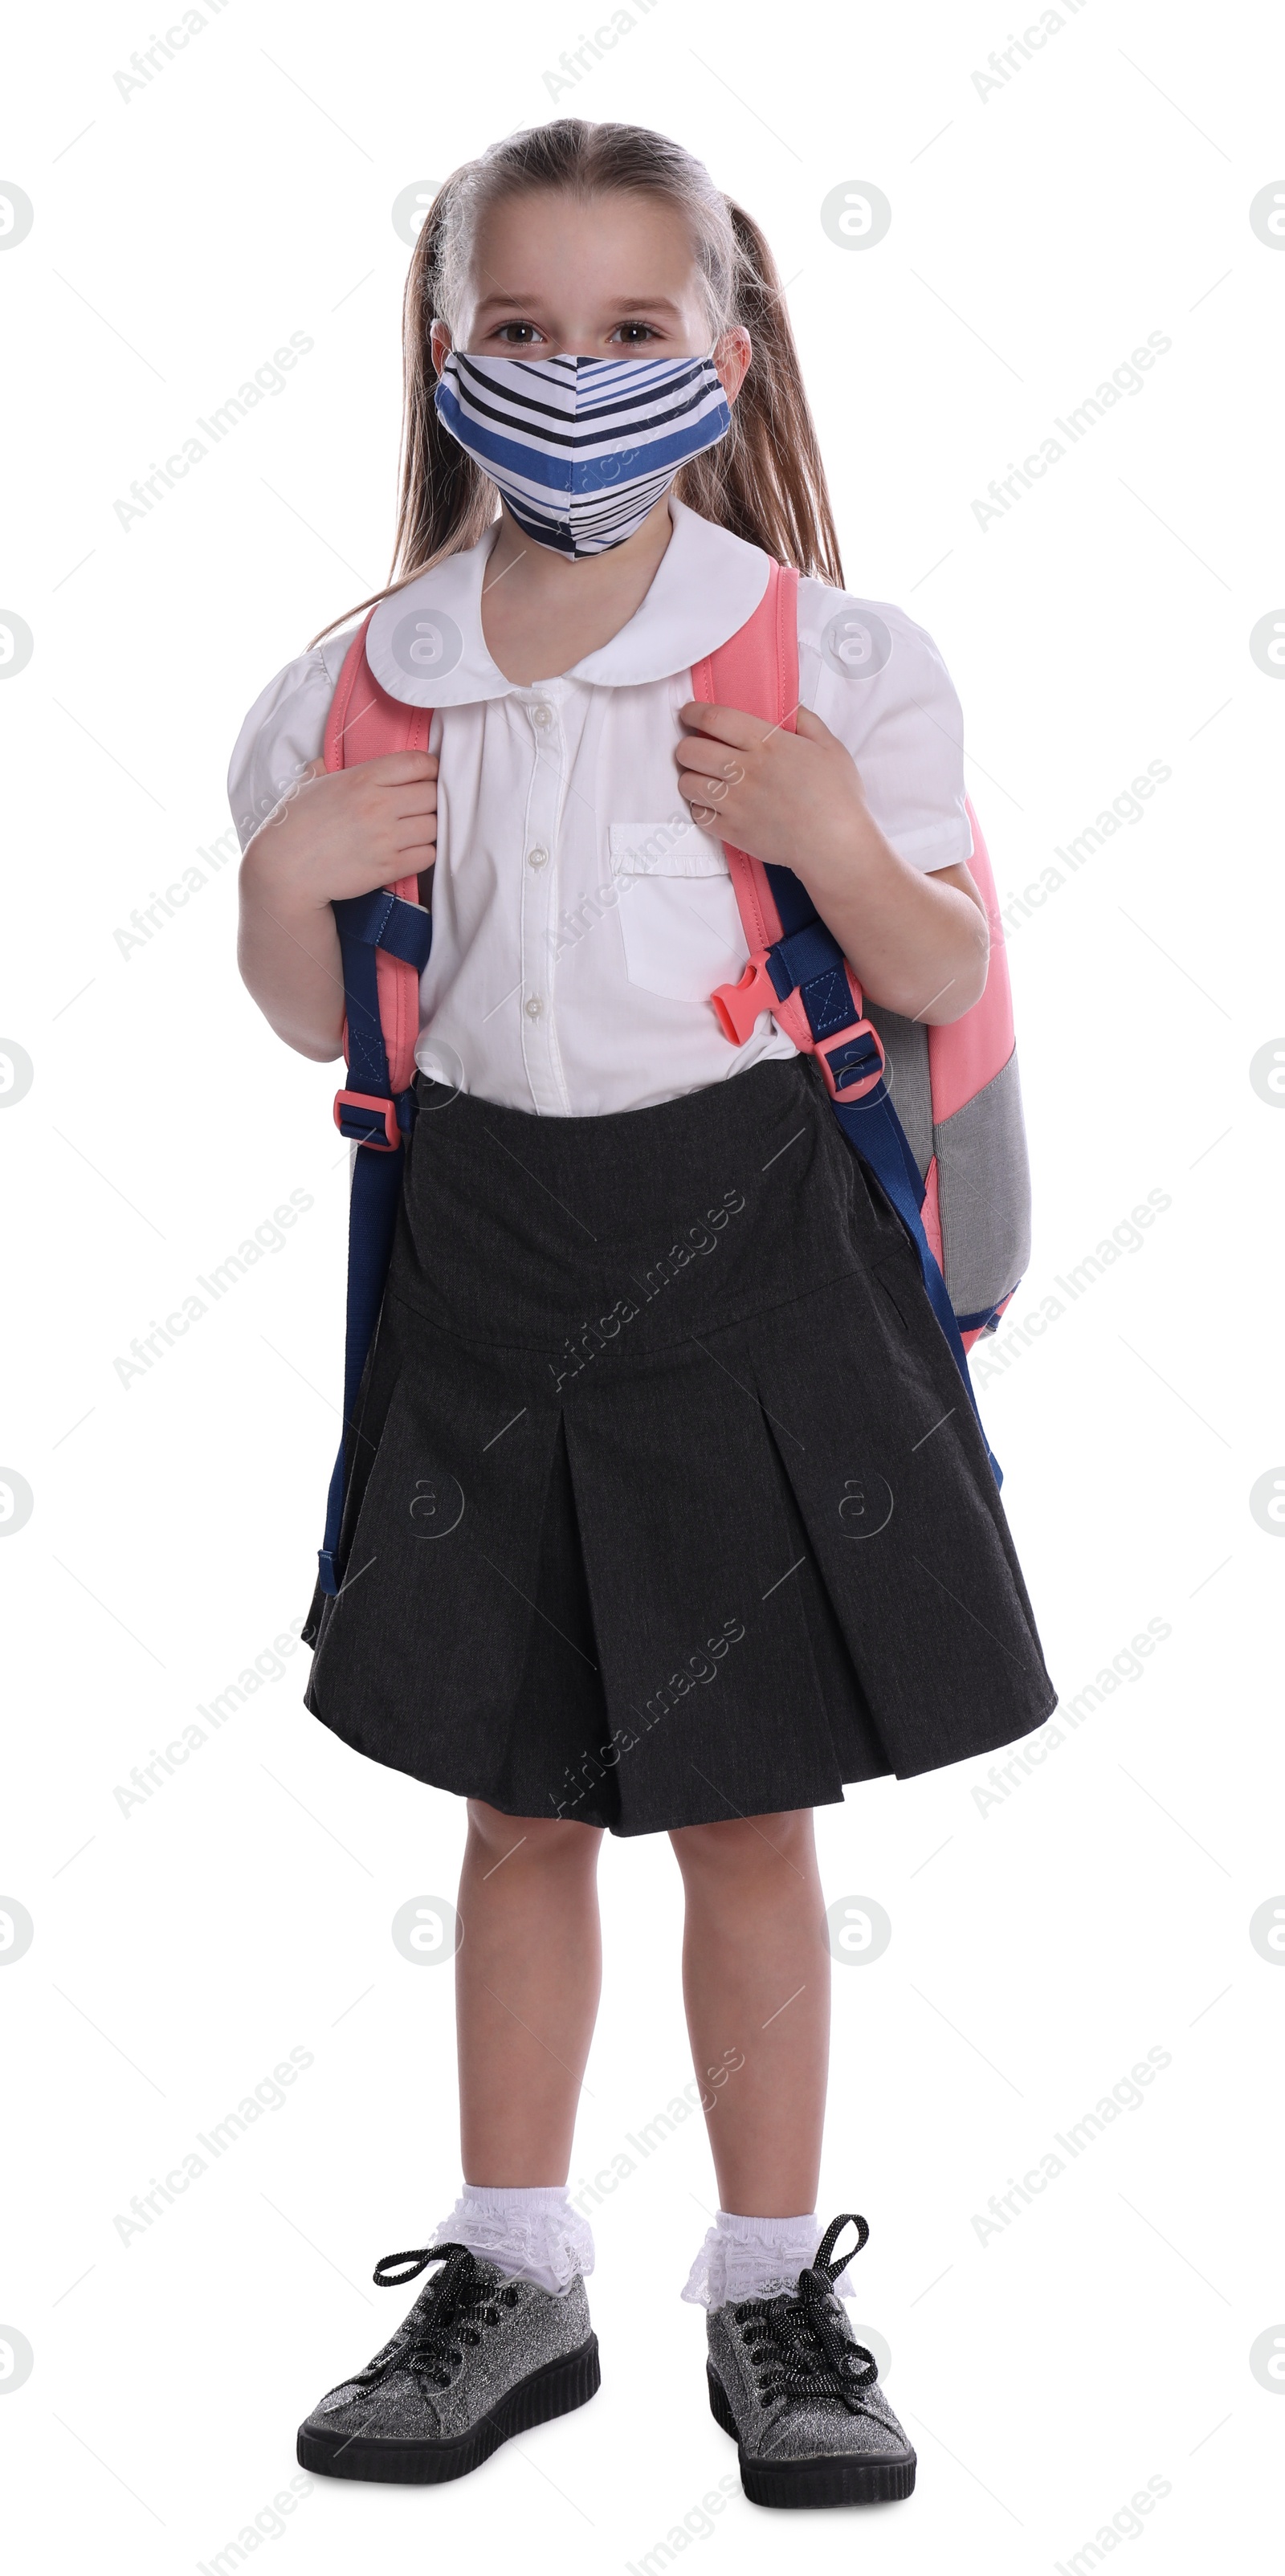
[
  {"x": 808, "y": 957},
  {"x": 365, "y": 923}
]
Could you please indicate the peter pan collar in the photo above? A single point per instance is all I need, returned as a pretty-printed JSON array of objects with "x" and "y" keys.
[{"x": 425, "y": 644}]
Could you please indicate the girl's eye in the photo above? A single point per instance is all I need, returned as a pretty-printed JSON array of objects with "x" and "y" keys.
[
  {"x": 526, "y": 328},
  {"x": 632, "y": 332}
]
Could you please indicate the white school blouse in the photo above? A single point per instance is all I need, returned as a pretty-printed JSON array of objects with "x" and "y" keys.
[{"x": 580, "y": 919}]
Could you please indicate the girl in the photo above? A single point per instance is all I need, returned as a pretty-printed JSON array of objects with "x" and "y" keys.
[{"x": 609, "y": 1576}]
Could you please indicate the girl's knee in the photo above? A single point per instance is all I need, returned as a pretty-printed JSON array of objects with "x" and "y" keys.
[
  {"x": 745, "y": 1846},
  {"x": 553, "y": 1841}
]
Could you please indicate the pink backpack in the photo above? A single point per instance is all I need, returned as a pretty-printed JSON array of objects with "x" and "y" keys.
[{"x": 950, "y": 1156}]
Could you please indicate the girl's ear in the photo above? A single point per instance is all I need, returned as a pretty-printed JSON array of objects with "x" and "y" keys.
[
  {"x": 439, "y": 341},
  {"x": 732, "y": 355}
]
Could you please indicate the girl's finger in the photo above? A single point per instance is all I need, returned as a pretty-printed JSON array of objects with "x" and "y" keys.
[
  {"x": 395, "y": 768},
  {"x": 703, "y": 783},
  {"x": 719, "y": 759},
  {"x": 811, "y": 727},
  {"x": 725, "y": 724},
  {"x": 419, "y": 798},
  {"x": 697, "y": 799}
]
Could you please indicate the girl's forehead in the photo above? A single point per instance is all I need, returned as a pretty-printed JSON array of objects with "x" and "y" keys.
[{"x": 547, "y": 223}]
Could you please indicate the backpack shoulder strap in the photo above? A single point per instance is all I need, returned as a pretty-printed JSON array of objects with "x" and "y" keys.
[
  {"x": 798, "y": 971},
  {"x": 384, "y": 936},
  {"x": 384, "y": 940},
  {"x": 757, "y": 669}
]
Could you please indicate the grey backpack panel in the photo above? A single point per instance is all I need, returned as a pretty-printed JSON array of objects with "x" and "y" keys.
[
  {"x": 984, "y": 1194},
  {"x": 983, "y": 1177}
]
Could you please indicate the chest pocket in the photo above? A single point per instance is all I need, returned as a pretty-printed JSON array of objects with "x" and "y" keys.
[{"x": 678, "y": 915}]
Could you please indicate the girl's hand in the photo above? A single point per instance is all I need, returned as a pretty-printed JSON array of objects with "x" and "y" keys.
[
  {"x": 785, "y": 797},
  {"x": 917, "y": 940},
  {"x": 338, "y": 833},
  {"x": 345, "y": 831}
]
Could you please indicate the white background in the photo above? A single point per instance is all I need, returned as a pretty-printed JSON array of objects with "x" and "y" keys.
[{"x": 1039, "y": 1947}]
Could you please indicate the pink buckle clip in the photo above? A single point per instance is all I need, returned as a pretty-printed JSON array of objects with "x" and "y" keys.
[
  {"x": 825, "y": 1047},
  {"x": 383, "y": 1109},
  {"x": 737, "y": 1006}
]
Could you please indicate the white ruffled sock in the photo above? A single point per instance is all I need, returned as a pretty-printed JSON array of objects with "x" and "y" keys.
[
  {"x": 529, "y": 2234},
  {"x": 753, "y": 2258}
]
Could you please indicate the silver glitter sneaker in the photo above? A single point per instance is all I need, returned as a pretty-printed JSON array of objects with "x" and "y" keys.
[
  {"x": 477, "y": 2359},
  {"x": 790, "y": 2384}
]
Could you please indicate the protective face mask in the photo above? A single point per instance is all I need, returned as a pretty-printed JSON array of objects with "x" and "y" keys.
[{"x": 581, "y": 448}]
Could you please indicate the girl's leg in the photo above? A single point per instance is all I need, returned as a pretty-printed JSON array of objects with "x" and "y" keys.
[
  {"x": 527, "y": 1977},
  {"x": 756, "y": 1982}
]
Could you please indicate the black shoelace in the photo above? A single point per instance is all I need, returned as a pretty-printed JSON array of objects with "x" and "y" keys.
[
  {"x": 799, "y": 2346},
  {"x": 458, "y": 2310}
]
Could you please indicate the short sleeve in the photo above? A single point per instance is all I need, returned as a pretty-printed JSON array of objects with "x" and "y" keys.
[
  {"x": 283, "y": 733},
  {"x": 878, "y": 681}
]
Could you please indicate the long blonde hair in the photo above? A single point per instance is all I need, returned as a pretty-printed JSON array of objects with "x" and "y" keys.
[{"x": 765, "y": 480}]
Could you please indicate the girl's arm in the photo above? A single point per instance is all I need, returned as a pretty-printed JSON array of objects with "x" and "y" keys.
[
  {"x": 336, "y": 834},
  {"x": 918, "y": 943}
]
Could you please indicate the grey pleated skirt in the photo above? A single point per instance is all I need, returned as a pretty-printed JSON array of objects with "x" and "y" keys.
[{"x": 666, "y": 1503}]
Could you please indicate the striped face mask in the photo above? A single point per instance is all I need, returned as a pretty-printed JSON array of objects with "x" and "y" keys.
[{"x": 581, "y": 448}]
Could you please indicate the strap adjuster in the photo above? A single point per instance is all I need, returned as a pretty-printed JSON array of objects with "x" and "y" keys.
[
  {"x": 366, "y": 1120},
  {"x": 852, "y": 1061}
]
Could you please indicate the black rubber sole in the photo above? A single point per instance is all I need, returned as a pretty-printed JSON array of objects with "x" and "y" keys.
[
  {"x": 556, "y": 2389},
  {"x": 881, "y": 2478}
]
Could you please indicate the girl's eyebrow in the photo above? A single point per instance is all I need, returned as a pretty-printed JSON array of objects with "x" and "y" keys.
[{"x": 618, "y": 303}]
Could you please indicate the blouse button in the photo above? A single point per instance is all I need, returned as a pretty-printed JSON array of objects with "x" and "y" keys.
[
  {"x": 535, "y": 1007},
  {"x": 541, "y": 715},
  {"x": 537, "y": 858}
]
